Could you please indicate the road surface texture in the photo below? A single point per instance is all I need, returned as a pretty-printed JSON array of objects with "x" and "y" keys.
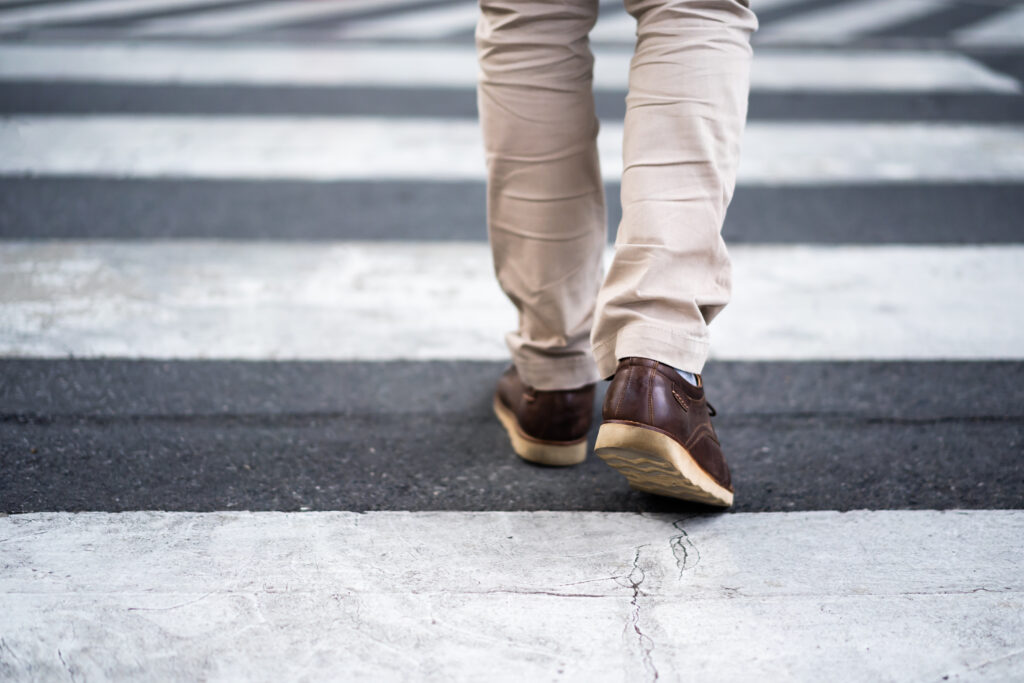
[{"x": 249, "y": 333}]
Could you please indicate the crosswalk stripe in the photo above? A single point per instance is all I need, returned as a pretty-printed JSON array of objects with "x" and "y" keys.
[
  {"x": 262, "y": 16},
  {"x": 34, "y": 15},
  {"x": 433, "y": 22},
  {"x": 818, "y": 542},
  {"x": 846, "y": 20},
  {"x": 366, "y": 301},
  {"x": 903, "y": 71},
  {"x": 321, "y": 148},
  {"x": 763, "y": 5},
  {"x": 619, "y": 27},
  {"x": 580, "y": 595},
  {"x": 1005, "y": 28},
  {"x": 455, "y": 67}
]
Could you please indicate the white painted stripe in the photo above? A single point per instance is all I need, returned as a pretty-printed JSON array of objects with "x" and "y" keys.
[
  {"x": 846, "y": 20},
  {"x": 262, "y": 16},
  {"x": 1003, "y": 29},
  {"x": 761, "y": 5},
  {"x": 433, "y": 22},
  {"x": 314, "y": 148},
  {"x": 512, "y": 596},
  {"x": 620, "y": 27},
  {"x": 900, "y": 71},
  {"x": 372, "y": 301},
  {"x": 61, "y": 12},
  {"x": 805, "y": 70}
]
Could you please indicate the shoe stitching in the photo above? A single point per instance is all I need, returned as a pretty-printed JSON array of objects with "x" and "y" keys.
[
  {"x": 680, "y": 400},
  {"x": 650, "y": 396},
  {"x": 629, "y": 379},
  {"x": 700, "y": 432}
]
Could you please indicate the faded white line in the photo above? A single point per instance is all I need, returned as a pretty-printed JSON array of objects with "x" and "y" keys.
[
  {"x": 375, "y": 301},
  {"x": 845, "y": 21},
  {"x": 340, "y": 148},
  {"x": 433, "y": 22},
  {"x": 259, "y": 16},
  {"x": 62, "y": 12},
  {"x": 1003, "y": 29},
  {"x": 895, "y": 71},
  {"x": 513, "y": 595},
  {"x": 619, "y": 27},
  {"x": 761, "y": 5}
]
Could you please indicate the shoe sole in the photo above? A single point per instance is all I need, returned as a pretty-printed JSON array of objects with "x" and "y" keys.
[
  {"x": 539, "y": 452},
  {"x": 655, "y": 463}
]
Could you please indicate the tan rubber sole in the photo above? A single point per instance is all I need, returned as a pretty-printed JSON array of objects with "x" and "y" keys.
[
  {"x": 557, "y": 455},
  {"x": 656, "y": 463}
]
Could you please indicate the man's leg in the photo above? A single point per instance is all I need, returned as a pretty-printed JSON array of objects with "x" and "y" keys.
[
  {"x": 685, "y": 114},
  {"x": 545, "y": 201}
]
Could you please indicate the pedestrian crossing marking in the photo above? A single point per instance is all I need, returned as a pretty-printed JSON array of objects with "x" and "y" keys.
[
  {"x": 407, "y": 300},
  {"x": 52, "y": 13},
  {"x": 1005, "y": 28},
  {"x": 619, "y": 27},
  {"x": 247, "y": 18},
  {"x": 433, "y": 22},
  {"x": 349, "y": 148},
  {"x": 844, "y": 21},
  {"x": 512, "y": 596},
  {"x": 839, "y": 23},
  {"x": 789, "y": 70}
]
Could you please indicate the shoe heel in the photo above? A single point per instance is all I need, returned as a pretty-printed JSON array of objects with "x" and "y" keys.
[{"x": 655, "y": 463}]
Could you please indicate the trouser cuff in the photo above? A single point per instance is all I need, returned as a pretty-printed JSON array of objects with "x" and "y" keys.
[
  {"x": 547, "y": 374},
  {"x": 681, "y": 351}
]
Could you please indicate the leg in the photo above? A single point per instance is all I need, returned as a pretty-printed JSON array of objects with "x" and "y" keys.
[
  {"x": 685, "y": 114},
  {"x": 545, "y": 201}
]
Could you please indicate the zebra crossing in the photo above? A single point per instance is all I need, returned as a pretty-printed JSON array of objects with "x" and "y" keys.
[
  {"x": 249, "y": 332},
  {"x": 448, "y": 67},
  {"x": 828, "y": 22}
]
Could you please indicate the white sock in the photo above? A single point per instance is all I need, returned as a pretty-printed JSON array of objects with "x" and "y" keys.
[{"x": 688, "y": 376}]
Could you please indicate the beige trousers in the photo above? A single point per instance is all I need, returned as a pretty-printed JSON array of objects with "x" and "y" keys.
[{"x": 685, "y": 114}]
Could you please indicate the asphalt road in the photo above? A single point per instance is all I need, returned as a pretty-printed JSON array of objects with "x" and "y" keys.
[{"x": 120, "y": 435}]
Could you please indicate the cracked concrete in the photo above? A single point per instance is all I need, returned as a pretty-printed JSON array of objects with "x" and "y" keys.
[
  {"x": 550, "y": 595},
  {"x": 682, "y": 547},
  {"x": 636, "y": 577}
]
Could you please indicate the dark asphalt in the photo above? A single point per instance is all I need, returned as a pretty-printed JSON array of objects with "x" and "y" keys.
[
  {"x": 31, "y": 97},
  {"x": 204, "y": 435},
  {"x": 86, "y": 208},
  {"x": 941, "y": 22}
]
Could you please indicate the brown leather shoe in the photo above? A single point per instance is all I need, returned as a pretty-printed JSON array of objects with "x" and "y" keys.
[
  {"x": 657, "y": 432},
  {"x": 545, "y": 427}
]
